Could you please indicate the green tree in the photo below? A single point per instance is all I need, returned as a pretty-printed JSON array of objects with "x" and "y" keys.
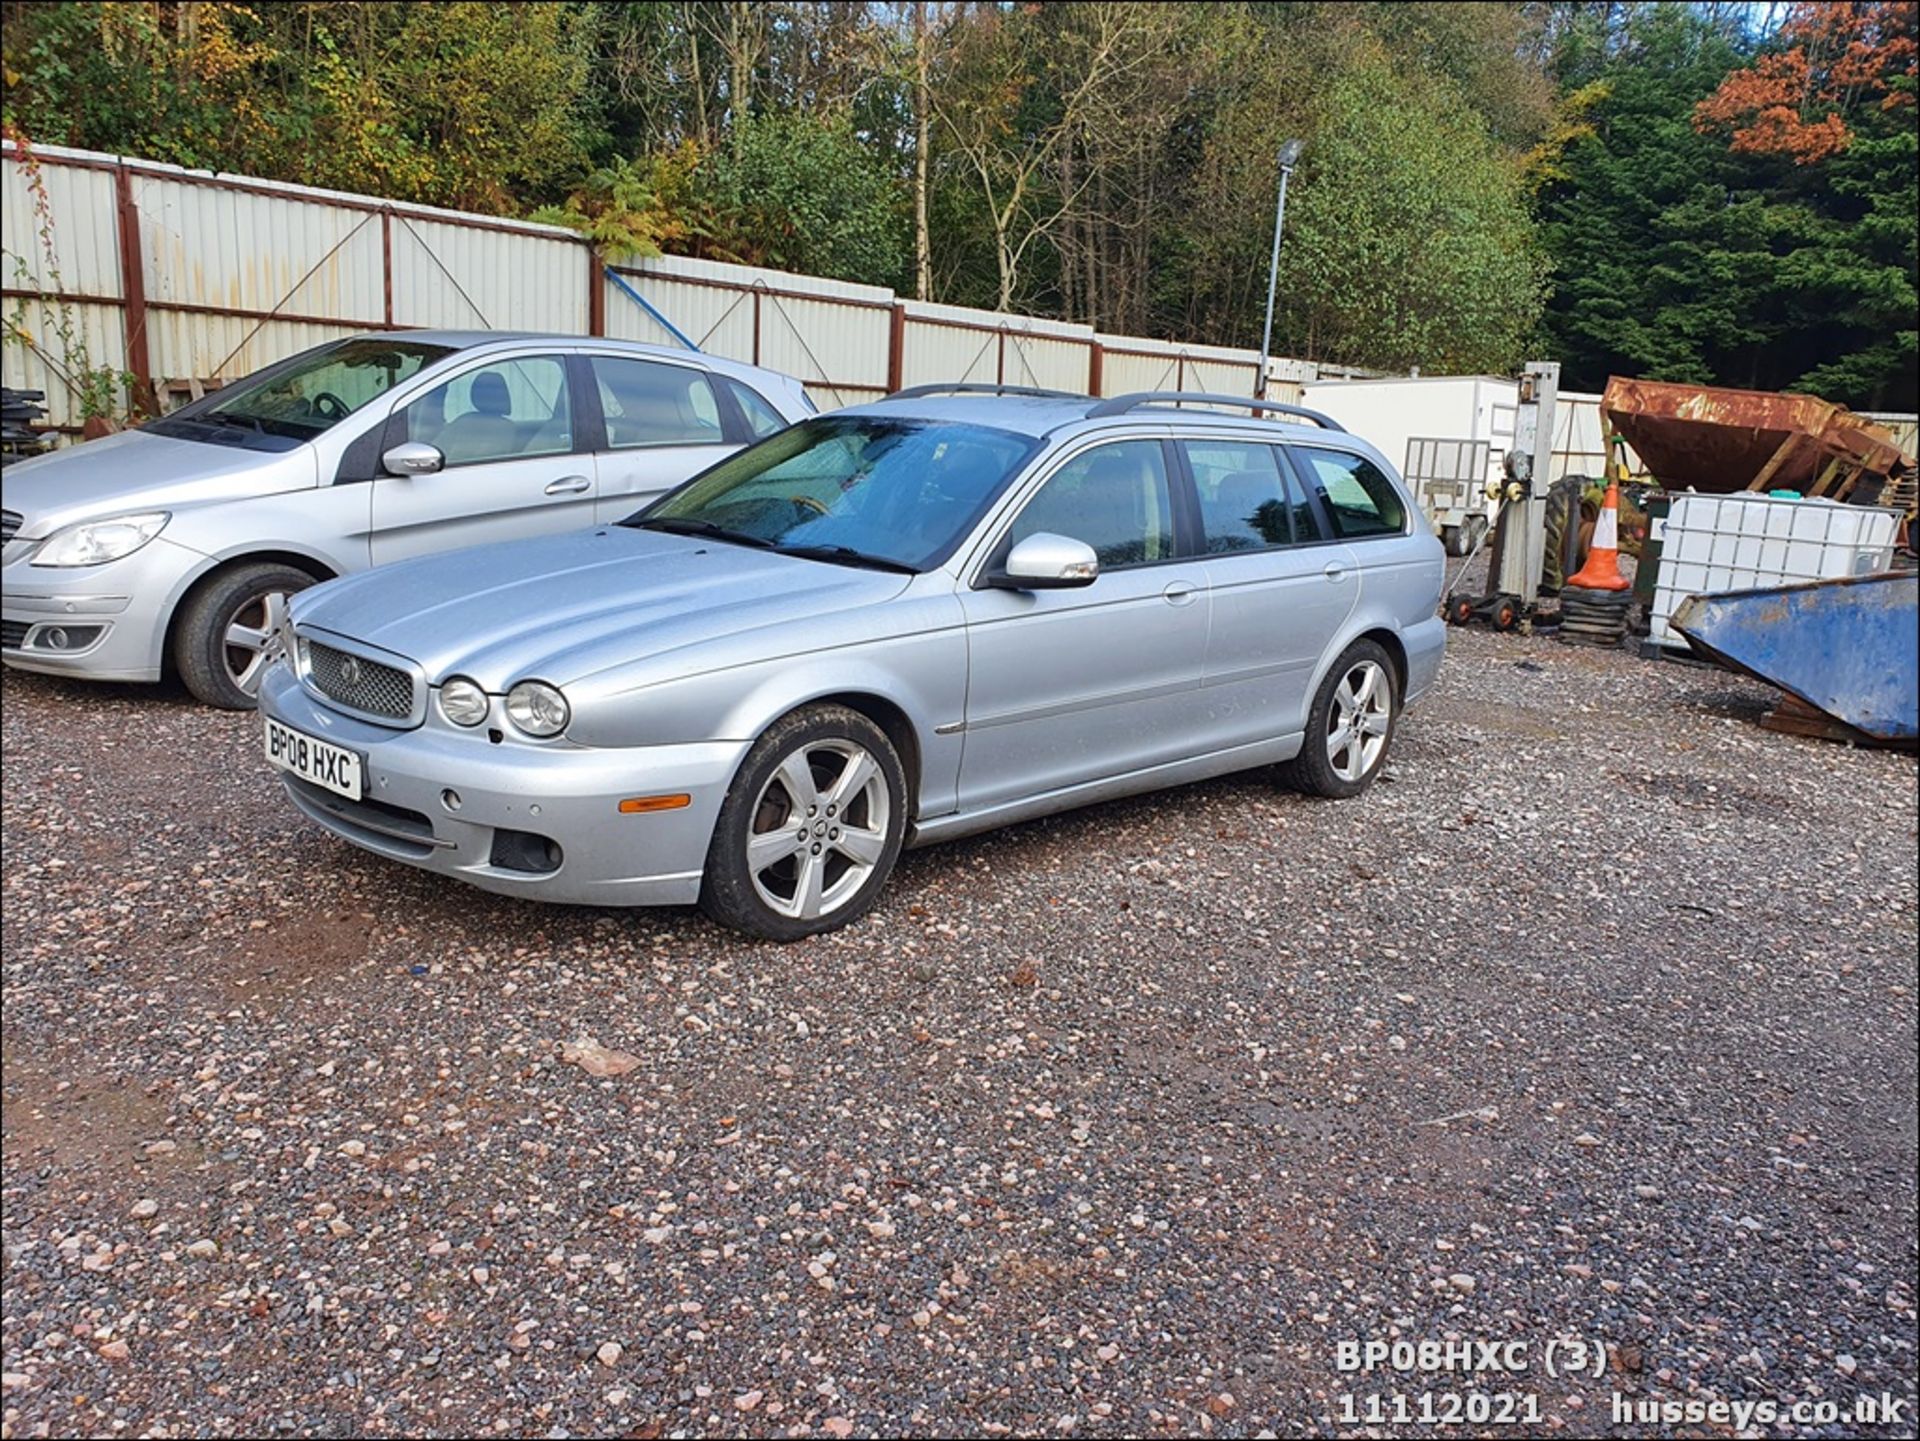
[
  {"x": 804, "y": 193},
  {"x": 1678, "y": 258},
  {"x": 1409, "y": 241}
]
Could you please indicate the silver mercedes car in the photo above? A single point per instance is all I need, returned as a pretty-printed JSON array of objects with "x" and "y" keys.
[
  {"x": 167, "y": 545},
  {"x": 887, "y": 626}
]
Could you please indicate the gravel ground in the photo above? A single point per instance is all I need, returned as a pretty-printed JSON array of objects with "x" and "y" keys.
[{"x": 1597, "y": 1018}]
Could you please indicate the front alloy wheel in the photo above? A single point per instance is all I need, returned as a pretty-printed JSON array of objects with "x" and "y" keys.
[
  {"x": 819, "y": 829},
  {"x": 223, "y": 629},
  {"x": 810, "y": 828}
]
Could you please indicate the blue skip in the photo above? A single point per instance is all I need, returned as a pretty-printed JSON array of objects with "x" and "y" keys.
[{"x": 1848, "y": 648}]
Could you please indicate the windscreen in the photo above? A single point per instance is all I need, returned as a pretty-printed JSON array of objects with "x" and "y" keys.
[
  {"x": 317, "y": 391},
  {"x": 896, "y": 491}
]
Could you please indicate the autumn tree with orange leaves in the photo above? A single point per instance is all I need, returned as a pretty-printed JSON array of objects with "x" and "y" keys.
[{"x": 1797, "y": 100}]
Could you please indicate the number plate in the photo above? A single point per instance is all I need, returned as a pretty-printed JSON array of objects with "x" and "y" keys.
[{"x": 324, "y": 764}]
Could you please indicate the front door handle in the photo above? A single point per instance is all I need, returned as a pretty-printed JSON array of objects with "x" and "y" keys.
[
  {"x": 1335, "y": 571},
  {"x": 569, "y": 485},
  {"x": 1179, "y": 592}
]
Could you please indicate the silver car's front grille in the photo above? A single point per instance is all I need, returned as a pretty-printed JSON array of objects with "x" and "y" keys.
[
  {"x": 362, "y": 684},
  {"x": 9, "y": 525}
]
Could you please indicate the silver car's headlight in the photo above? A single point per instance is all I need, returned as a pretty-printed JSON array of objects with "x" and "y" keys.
[
  {"x": 95, "y": 542},
  {"x": 537, "y": 708},
  {"x": 463, "y": 702}
]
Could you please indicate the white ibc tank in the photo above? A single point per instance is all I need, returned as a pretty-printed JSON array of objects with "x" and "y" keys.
[{"x": 1711, "y": 544}]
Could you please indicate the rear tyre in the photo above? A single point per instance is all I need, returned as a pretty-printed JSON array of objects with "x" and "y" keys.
[
  {"x": 811, "y": 827},
  {"x": 1349, "y": 727},
  {"x": 220, "y": 639}
]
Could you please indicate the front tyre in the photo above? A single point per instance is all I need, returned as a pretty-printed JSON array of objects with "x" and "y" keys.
[
  {"x": 220, "y": 642},
  {"x": 1350, "y": 726},
  {"x": 811, "y": 827}
]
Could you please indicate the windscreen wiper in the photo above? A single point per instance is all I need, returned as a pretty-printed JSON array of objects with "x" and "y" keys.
[
  {"x": 673, "y": 525},
  {"x": 847, "y": 555},
  {"x": 230, "y": 417}
]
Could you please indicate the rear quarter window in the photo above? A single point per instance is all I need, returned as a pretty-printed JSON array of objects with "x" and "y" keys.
[{"x": 1358, "y": 498}]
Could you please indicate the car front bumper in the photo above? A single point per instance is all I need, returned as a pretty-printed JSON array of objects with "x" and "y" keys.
[
  {"x": 113, "y": 616},
  {"x": 568, "y": 796}
]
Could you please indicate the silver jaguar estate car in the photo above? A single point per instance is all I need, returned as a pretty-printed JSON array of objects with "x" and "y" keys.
[
  {"x": 883, "y": 627},
  {"x": 170, "y": 543}
]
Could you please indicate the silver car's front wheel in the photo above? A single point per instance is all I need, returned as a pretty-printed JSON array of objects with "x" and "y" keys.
[
  {"x": 810, "y": 828},
  {"x": 819, "y": 828},
  {"x": 247, "y": 635},
  {"x": 220, "y": 635},
  {"x": 1358, "y": 720}
]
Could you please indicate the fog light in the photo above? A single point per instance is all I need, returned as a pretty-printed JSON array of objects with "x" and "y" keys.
[{"x": 63, "y": 637}]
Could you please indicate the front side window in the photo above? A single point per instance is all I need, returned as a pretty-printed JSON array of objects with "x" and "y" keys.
[
  {"x": 859, "y": 489},
  {"x": 1358, "y": 497},
  {"x": 1243, "y": 499},
  {"x": 510, "y": 410},
  {"x": 310, "y": 394},
  {"x": 1114, "y": 497},
  {"x": 647, "y": 403}
]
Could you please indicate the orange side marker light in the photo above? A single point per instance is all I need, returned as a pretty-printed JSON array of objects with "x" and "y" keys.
[{"x": 641, "y": 805}]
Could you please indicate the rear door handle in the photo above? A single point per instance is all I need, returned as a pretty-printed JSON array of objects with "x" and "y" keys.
[
  {"x": 1179, "y": 592},
  {"x": 569, "y": 485},
  {"x": 1335, "y": 571}
]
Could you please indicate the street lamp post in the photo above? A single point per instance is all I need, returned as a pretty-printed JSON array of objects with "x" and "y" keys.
[{"x": 1289, "y": 157}]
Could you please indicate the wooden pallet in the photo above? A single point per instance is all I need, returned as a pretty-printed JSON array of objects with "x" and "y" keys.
[{"x": 1793, "y": 716}]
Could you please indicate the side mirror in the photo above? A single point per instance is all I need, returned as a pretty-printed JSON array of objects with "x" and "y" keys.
[
  {"x": 412, "y": 457},
  {"x": 1047, "y": 562}
]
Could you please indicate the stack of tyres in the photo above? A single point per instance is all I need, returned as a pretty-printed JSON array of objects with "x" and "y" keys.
[{"x": 1594, "y": 617}]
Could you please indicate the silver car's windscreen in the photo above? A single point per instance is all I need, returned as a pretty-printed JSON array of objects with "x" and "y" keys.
[
  {"x": 300, "y": 398},
  {"x": 881, "y": 490}
]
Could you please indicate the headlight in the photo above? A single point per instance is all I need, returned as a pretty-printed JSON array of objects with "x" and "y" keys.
[
  {"x": 537, "y": 708},
  {"x": 95, "y": 542},
  {"x": 463, "y": 702}
]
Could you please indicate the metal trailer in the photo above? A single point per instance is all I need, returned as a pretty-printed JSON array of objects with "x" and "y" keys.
[{"x": 1449, "y": 479}]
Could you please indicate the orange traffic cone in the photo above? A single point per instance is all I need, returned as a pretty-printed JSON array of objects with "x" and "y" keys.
[{"x": 1602, "y": 570}]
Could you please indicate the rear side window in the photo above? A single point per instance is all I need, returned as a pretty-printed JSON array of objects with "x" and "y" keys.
[
  {"x": 1359, "y": 499},
  {"x": 646, "y": 403},
  {"x": 1243, "y": 499},
  {"x": 762, "y": 419}
]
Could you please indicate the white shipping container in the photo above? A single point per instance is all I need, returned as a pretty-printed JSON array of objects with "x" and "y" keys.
[{"x": 1711, "y": 544}]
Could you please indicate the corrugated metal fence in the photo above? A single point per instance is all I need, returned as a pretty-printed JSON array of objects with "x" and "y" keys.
[{"x": 185, "y": 279}]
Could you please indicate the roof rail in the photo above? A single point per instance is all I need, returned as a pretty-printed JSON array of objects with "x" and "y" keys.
[
  {"x": 1121, "y": 404},
  {"x": 918, "y": 392}
]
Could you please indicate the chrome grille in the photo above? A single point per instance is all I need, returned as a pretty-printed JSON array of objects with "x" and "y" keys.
[
  {"x": 365, "y": 685},
  {"x": 9, "y": 525}
]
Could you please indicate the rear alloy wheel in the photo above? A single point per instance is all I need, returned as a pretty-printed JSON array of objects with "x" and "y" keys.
[
  {"x": 810, "y": 829},
  {"x": 1350, "y": 726},
  {"x": 220, "y": 644}
]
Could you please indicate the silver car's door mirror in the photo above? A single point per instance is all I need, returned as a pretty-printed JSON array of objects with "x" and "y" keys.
[
  {"x": 1047, "y": 562},
  {"x": 412, "y": 457}
]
